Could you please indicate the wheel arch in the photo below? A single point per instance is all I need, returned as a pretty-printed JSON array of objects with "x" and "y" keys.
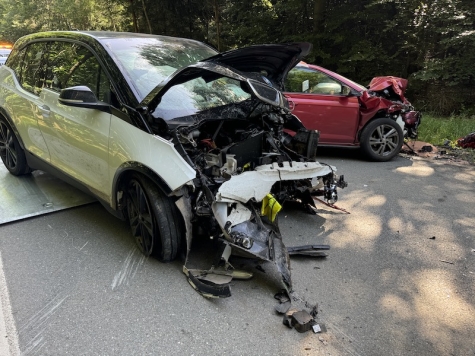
[
  {"x": 125, "y": 171},
  {"x": 381, "y": 114}
]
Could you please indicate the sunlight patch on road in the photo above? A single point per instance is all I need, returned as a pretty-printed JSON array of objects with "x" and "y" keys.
[
  {"x": 465, "y": 176},
  {"x": 439, "y": 307},
  {"x": 375, "y": 200},
  {"x": 418, "y": 171}
]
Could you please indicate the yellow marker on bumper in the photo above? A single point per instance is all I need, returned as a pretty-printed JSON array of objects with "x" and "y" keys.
[{"x": 270, "y": 207}]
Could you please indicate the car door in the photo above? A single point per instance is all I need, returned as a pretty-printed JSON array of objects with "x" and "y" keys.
[
  {"x": 77, "y": 138},
  {"x": 319, "y": 102},
  {"x": 22, "y": 100}
]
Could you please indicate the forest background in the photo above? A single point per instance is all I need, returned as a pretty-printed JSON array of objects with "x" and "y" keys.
[{"x": 430, "y": 42}]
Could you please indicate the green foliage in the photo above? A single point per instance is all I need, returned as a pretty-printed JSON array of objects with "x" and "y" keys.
[
  {"x": 430, "y": 42},
  {"x": 437, "y": 130}
]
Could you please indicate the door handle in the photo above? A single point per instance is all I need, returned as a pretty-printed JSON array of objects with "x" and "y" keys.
[{"x": 45, "y": 110}]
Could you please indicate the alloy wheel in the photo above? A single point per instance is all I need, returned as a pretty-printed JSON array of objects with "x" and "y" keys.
[
  {"x": 384, "y": 140},
  {"x": 140, "y": 217},
  {"x": 7, "y": 147}
]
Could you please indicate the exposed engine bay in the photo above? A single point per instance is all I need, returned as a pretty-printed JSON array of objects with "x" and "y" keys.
[
  {"x": 247, "y": 168},
  {"x": 250, "y": 154}
]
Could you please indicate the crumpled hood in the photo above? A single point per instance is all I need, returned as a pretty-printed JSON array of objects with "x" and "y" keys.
[{"x": 398, "y": 85}]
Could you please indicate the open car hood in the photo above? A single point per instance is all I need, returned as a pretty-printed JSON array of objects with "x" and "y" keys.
[
  {"x": 273, "y": 61},
  {"x": 265, "y": 63}
]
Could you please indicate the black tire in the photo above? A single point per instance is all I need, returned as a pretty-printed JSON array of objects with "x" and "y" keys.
[
  {"x": 153, "y": 218},
  {"x": 381, "y": 140},
  {"x": 12, "y": 154}
]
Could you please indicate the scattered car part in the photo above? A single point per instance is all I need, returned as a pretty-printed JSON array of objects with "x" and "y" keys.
[
  {"x": 309, "y": 250},
  {"x": 467, "y": 141},
  {"x": 302, "y": 321}
]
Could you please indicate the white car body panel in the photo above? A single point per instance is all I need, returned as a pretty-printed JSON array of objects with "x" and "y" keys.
[
  {"x": 78, "y": 142},
  {"x": 256, "y": 184},
  {"x": 130, "y": 144},
  {"x": 19, "y": 103}
]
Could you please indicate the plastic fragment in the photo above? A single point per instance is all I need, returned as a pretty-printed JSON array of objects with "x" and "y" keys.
[
  {"x": 302, "y": 321},
  {"x": 316, "y": 328},
  {"x": 283, "y": 307}
]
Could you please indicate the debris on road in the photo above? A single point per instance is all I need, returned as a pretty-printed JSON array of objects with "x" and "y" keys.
[
  {"x": 333, "y": 206},
  {"x": 419, "y": 148},
  {"x": 427, "y": 148},
  {"x": 309, "y": 250},
  {"x": 467, "y": 141},
  {"x": 301, "y": 320},
  {"x": 447, "y": 262}
]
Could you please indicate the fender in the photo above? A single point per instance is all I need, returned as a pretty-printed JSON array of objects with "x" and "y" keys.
[{"x": 127, "y": 168}]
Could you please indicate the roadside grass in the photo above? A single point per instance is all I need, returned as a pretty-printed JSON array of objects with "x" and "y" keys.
[{"x": 443, "y": 131}]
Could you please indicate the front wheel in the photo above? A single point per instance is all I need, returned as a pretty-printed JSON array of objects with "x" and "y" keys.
[
  {"x": 11, "y": 152},
  {"x": 381, "y": 140},
  {"x": 153, "y": 219}
]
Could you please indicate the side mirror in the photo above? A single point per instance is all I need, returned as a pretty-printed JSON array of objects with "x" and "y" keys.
[
  {"x": 345, "y": 90},
  {"x": 83, "y": 97}
]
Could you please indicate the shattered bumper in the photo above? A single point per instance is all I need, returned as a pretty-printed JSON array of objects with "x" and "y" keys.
[{"x": 246, "y": 213}]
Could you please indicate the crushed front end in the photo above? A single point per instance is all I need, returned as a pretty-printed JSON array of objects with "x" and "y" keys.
[
  {"x": 246, "y": 170},
  {"x": 387, "y": 94},
  {"x": 231, "y": 127}
]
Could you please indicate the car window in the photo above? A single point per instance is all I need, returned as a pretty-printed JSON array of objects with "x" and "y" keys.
[
  {"x": 311, "y": 81},
  {"x": 33, "y": 71},
  {"x": 198, "y": 94},
  {"x": 15, "y": 60},
  {"x": 70, "y": 64},
  {"x": 149, "y": 61}
]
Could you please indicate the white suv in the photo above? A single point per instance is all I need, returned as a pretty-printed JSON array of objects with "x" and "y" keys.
[{"x": 166, "y": 133}]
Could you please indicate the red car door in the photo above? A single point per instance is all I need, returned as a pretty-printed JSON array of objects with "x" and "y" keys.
[{"x": 318, "y": 102}]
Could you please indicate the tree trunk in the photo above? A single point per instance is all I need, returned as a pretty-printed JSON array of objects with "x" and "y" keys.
[
  {"x": 319, "y": 15},
  {"x": 216, "y": 18},
  {"x": 134, "y": 17},
  {"x": 146, "y": 17}
]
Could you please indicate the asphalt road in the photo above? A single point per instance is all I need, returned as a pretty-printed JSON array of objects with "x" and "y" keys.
[{"x": 399, "y": 278}]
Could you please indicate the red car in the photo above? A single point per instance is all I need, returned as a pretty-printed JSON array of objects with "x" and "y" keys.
[{"x": 347, "y": 114}]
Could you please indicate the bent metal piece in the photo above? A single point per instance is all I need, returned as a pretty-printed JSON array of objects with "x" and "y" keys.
[{"x": 309, "y": 250}]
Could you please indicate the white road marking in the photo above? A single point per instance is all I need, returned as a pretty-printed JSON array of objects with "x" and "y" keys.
[{"x": 8, "y": 334}]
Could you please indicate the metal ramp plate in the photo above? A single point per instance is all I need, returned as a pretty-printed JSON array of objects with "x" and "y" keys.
[{"x": 35, "y": 194}]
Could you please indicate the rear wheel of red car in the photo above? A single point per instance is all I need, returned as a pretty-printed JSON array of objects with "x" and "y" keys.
[
  {"x": 153, "y": 219},
  {"x": 11, "y": 152},
  {"x": 382, "y": 139}
]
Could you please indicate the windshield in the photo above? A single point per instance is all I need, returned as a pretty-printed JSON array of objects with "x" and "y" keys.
[
  {"x": 199, "y": 94},
  {"x": 148, "y": 61}
]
